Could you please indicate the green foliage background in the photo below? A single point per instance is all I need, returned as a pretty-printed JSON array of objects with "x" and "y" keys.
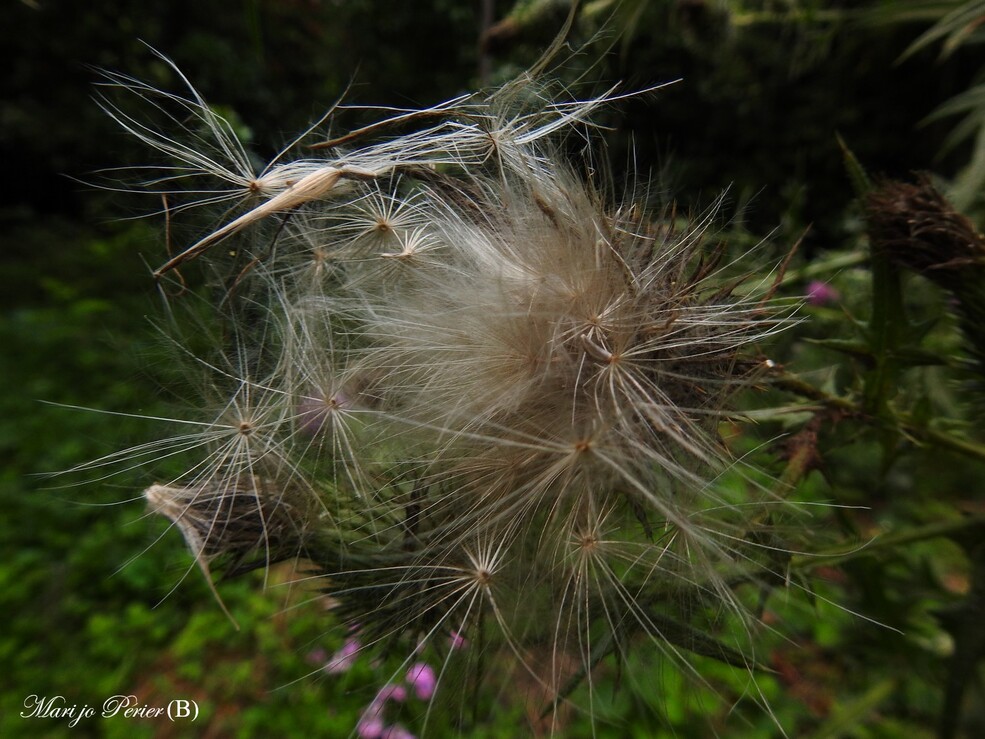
[{"x": 99, "y": 600}]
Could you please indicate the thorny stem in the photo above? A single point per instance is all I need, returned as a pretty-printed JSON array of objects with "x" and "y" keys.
[
  {"x": 913, "y": 431},
  {"x": 962, "y": 446}
]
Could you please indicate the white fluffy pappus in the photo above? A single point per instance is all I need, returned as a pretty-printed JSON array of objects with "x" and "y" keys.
[{"x": 494, "y": 396}]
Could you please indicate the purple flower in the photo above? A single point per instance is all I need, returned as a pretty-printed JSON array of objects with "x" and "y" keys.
[
  {"x": 316, "y": 656},
  {"x": 422, "y": 679},
  {"x": 821, "y": 293},
  {"x": 370, "y": 727},
  {"x": 342, "y": 660},
  {"x": 391, "y": 692},
  {"x": 457, "y": 641}
]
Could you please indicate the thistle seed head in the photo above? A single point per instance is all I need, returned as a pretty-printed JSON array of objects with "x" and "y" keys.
[{"x": 501, "y": 391}]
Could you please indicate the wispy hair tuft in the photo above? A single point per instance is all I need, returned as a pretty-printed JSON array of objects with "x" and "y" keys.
[{"x": 475, "y": 393}]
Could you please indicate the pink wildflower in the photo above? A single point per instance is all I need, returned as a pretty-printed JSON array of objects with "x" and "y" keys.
[
  {"x": 391, "y": 692},
  {"x": 343, "y": 659},
  {"x": 370, "y": 727},
  {"x": 422, "y": 679},
  {"x": 821, "y": 293}
]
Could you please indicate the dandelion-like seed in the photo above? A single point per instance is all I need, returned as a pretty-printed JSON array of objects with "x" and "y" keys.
[{"x": 503, "y": 391}]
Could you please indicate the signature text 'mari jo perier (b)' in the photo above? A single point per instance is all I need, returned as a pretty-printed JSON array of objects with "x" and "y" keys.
[{"x": 125, "y": 706}]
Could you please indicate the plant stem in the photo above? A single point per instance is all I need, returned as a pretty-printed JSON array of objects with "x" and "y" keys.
[{"x": 913, "y": 431}]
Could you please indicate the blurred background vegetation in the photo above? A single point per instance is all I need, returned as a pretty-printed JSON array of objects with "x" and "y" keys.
[{"x": 101, "y": 600}]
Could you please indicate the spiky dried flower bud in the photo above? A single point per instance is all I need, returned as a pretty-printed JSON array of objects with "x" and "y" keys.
[
  {"x": 918, "y": 228},
  {"x": 501, "y": 392}
]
